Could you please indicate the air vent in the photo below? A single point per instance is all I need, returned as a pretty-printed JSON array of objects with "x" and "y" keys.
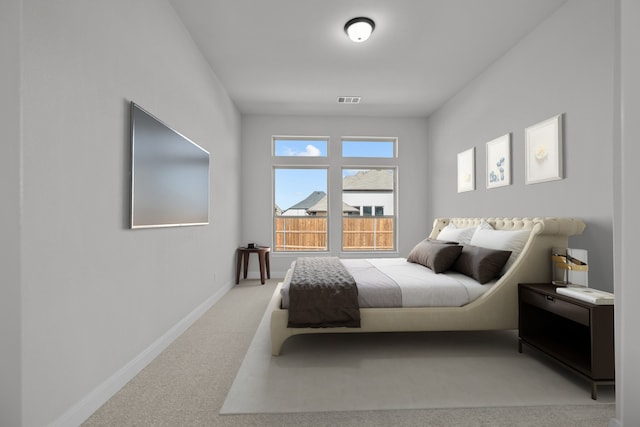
[{"x": 348, "y": 100}]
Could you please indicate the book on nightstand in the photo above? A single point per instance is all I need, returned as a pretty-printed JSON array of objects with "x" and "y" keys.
[{"x": 594, "y": 296}]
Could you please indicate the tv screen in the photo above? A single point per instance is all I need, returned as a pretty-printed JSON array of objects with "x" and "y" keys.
[{"x": 169, "y": 175}]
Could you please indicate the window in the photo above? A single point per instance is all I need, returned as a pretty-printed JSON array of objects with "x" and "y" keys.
[
  {"x": 366, "y": 211},
  {"x": 370, "y": 148},
  {"x": 374, "y": 191},
  {"x": 300, "y": 211},
  {"x": 302, "y": 167},
  {"x": 300, "y": 194},
  {"x": 300, "y": 147}
]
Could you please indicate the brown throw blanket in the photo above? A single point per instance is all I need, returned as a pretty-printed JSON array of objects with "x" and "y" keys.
[{"x": 322, "y": 294}]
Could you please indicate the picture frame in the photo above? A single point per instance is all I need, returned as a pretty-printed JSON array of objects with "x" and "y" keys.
[
  {"x": 543, "y": 151},
  {"x": 498, "y": 158},
  {"x": 466, "y": 170}
]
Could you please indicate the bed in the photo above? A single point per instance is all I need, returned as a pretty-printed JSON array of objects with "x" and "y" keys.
[{"x": 494, "y": 308}]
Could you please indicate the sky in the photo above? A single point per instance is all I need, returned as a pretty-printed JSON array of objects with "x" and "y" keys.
[{"x": 294, "y": 185}]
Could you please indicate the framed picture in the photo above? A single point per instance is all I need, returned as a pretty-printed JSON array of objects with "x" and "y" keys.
[
  {"x": 467, "y": 170},
  {"x": 499, "y": 162},
  {"x": 544, "y": 151}
]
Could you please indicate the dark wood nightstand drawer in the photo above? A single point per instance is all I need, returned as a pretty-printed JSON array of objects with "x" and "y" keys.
[{"x": 556, "y": 305}]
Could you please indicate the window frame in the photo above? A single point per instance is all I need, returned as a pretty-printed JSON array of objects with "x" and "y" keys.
[
  {"x": 394, "y": 168},
  {"x": 274, "y": 139},
  {"x": 335, "y": 163},
  {"x": 366, "y": 139},
  {"x": 300, "y": 162}
]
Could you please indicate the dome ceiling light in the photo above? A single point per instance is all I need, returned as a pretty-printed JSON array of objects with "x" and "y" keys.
[{"x": 359, "y": 29}]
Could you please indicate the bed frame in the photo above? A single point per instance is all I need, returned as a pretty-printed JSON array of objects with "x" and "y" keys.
[{"x": 496, "y": 309}]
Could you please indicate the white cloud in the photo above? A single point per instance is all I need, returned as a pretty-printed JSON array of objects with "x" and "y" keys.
[{"x": 310, "y": 151}]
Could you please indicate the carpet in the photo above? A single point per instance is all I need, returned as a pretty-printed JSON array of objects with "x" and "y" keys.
[{"x": 351, "y": 372}]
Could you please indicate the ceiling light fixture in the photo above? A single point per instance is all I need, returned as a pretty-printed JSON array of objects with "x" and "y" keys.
[{"x": 359, "y": 29}]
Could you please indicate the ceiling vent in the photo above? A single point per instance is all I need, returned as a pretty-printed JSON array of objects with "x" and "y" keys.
[{"x": 348, "y": 100}]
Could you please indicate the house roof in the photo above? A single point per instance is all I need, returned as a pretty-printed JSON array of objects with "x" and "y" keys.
[
  {"x": 321, "y": 206},
  {"x": 369, "y": 180},
  {"x": 311, "y": 200}
]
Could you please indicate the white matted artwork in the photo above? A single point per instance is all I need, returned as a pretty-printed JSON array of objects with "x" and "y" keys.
[
  {"x": 466, "y": 170},
  {"x": 544, "y": 151},
  {"x": 499, "y": 161}
]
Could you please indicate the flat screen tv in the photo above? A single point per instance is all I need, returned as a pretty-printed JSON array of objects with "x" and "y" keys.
[{"x": 169, "y": 175}]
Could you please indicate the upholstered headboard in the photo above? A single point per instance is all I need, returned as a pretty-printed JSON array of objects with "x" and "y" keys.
[
  {"x": 534, "y": 262},
  {"x": 550, "y": 225}
]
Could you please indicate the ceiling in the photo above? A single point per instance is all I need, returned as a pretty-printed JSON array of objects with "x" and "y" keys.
[{"x": 293, "y": 57}]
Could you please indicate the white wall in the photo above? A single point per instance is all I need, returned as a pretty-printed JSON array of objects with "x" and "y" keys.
[
  {"x": 257, "y": 194},
  {"x": 371, "y": 199},
  {"x": 10, "y": 409},
  {"x": 627, "y": 210},
  {"x": 96, "y": 295},
  {"x": 565, "y": 65}
]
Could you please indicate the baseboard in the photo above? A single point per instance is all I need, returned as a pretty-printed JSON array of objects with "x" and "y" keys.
[
  {"x": 82, "y": 410},
  {"x": 254, "y": 275}
]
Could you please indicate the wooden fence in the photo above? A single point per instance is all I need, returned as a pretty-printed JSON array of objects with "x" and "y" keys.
[
  {"x": 367, "y": 233},
  {"x": 310, "y": 233}
]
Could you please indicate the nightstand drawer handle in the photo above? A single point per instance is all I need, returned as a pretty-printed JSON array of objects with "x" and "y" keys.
[{"x": 550, "y": 298}]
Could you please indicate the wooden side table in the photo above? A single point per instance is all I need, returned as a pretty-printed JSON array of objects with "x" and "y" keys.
[{"x": 243, "y": 253}]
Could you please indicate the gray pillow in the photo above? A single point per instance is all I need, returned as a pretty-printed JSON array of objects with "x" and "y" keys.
[
  {"x": 482, "y": 264},
  {"x": 438, "y": 256}
]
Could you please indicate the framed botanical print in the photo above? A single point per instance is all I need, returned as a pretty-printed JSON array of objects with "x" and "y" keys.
[
  {"x": 466, "y": 170},
  {"x": 499, "y": 162},
  {"x": 544, "y": 151}
]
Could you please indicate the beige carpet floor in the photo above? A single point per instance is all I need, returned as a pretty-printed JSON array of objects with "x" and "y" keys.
[
  {"x": 188, "y": 383},
  {"x": 339, "y": 372}
]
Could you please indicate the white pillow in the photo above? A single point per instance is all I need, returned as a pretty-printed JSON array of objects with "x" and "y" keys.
[
  {"x": 454, "y": 234},
  {"x": 484, "y": 225},
  {"x": 505, "y": 240}
]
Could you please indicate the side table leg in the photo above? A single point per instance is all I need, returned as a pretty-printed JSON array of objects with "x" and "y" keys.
[
  {"x": 238, "y": 262},
  {"x": 262, "y": 260},
  {"x": 245, "y": 256},
  {"x": 268, "y": 266}
]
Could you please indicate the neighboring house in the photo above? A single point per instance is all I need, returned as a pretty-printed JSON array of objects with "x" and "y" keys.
[
  {"x": 300, "y": 208},
  {"x": 315, "y": 205},
  {"x": 320, "y": 208},
  {"x": 371, "y": 191},
  {"x": 367, "y": 193}
]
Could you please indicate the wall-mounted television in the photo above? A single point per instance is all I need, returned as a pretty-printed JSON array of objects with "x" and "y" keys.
[{"x": 169, "y": 175}]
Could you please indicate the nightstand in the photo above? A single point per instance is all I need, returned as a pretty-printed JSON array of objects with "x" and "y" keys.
[
  {"x": 242, "y": 257},
  {"x": 576, "y": 333}
]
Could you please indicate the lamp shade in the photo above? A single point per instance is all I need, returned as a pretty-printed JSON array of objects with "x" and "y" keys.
[{"x": 359, "y": 29}]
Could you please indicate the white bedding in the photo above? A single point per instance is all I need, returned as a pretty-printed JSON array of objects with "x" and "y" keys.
[{"x": 394, "y": 282}]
